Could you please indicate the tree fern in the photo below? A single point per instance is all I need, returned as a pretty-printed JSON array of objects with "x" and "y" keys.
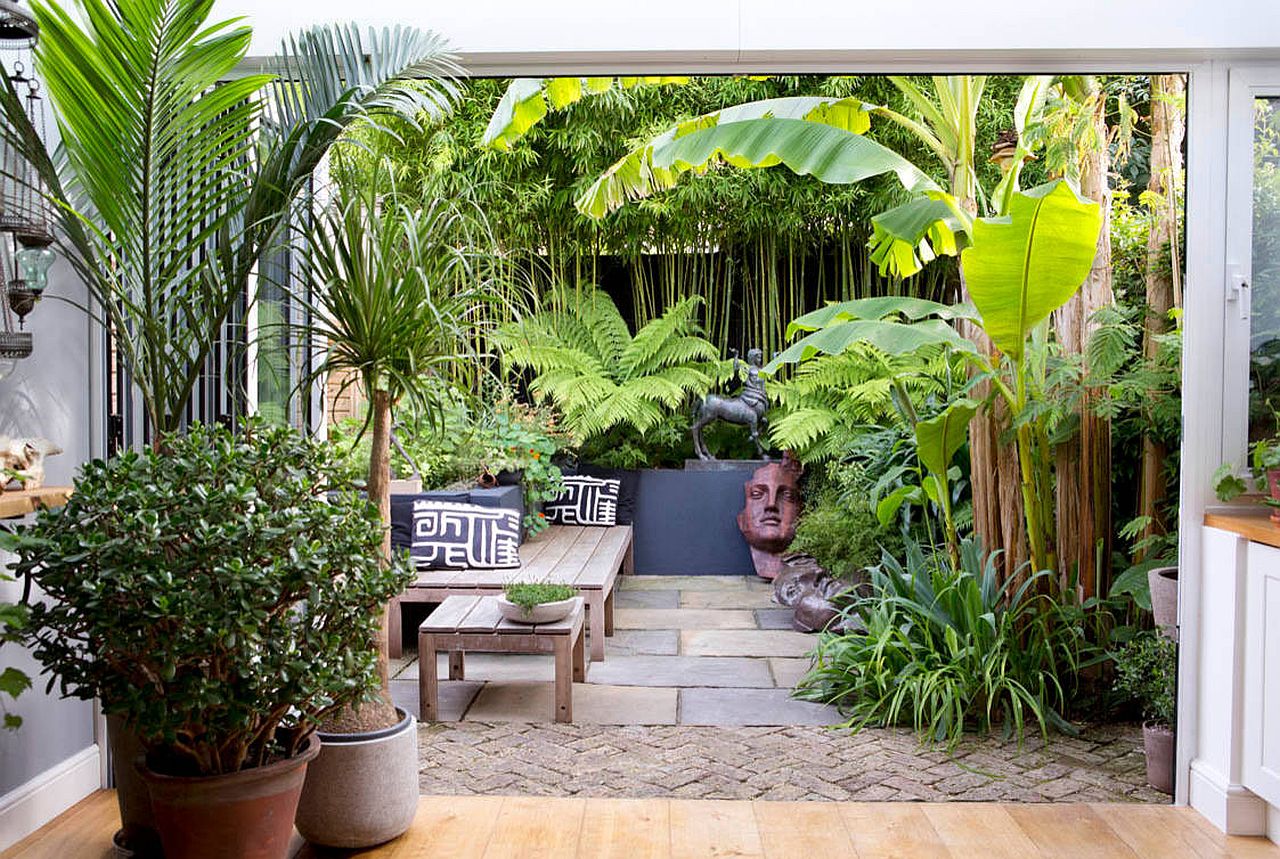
[
  {"x": 584, "y": 359},
  {"x": 834, "y": 399}
]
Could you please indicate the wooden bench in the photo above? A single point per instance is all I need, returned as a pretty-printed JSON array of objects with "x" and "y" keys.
[
  {"x": 463, "y": 623},
  {"x": 588, "y": 559}
]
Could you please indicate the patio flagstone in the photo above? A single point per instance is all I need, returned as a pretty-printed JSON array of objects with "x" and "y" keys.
[
  {"x": 646, "y": 599},
  {"x": 643, "y": 642},
  {"x": 702, "y": 706},
  {"x": 682, "y": 671},
  {"x": 745, "y": 642},
  {"x": 455, "y": 697},
  {"x": 592, "y": 704},
  {"x": 787, "y": 672},
  {"x": 775, "y": 618},
  {"x": 696, "y": 619},
  {"x": 746, "y": 598}
]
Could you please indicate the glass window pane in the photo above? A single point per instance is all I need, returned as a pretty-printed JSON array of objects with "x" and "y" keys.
[{"x": 1264, "y": 344}]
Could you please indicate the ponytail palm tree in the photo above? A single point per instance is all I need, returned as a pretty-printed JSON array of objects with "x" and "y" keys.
[
  {"x": 398, "y": 295},
  {"x": 175, "y": 171}
]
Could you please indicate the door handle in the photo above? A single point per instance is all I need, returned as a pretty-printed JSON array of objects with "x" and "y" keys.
[{"x": 1238, "y": 290}]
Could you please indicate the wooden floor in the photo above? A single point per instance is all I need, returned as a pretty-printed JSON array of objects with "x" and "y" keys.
[{"x": 492, "y": 827}]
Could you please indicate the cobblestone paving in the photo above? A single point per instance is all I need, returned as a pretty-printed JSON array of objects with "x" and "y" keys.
[{"x": 1104, "y": 764}]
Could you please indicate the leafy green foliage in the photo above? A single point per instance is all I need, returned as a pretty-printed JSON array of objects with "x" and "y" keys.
[
  {"x": 213, "y": 593},
  {"x": 13, "y": 623},
  {"x": 839, "y": 527},
  {"x": 175, "y": 175},
  {"x": 514, "y": 439},
  {"x": 946, "y": 648},
  {"x": 585, "y": 360},
  {"x": 1147, "y": 672},
  {"x": 527, "y": 595}
]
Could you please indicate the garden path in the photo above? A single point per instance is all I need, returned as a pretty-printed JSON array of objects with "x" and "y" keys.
[{"x": 693, "y": 700}]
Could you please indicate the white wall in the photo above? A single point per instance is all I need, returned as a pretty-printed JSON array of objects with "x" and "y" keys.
[
  {"x": 51, "y": 760},
  {"x": 758, "y": 29}
]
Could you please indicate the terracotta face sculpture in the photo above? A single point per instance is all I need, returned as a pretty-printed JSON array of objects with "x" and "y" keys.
[{"x": 768, "y": 521}]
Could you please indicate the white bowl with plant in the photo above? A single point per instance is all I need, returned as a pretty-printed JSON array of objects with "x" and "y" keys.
[{"x": 536, "y": 602}]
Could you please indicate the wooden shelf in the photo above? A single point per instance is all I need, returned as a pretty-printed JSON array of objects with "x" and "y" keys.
[
  {"x": 14, "y": 504},
  {"x": 1254, "y": 525}
]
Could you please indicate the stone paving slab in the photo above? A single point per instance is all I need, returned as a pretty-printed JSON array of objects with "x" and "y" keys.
[
  {"x": 455, "y": 697},
  {"x": 787, "y": 672},
  {"x": 682, "y": 583},
  {"x": 685, "y": 618},
  {"x": 705, "y": 706},
  {"x": 747, "y": 598},
  {"x": 482, "y": 666},
  {"x": 646, "y": 599},
  {"x": 681, "y": 671},
  {"x": 642, "y": 642},
  {"x": 792, "y": 763},
  {"x": 746, "y": 642},
  {"x": 775, "y": 618},
  {"x": 592, "y": 704}
]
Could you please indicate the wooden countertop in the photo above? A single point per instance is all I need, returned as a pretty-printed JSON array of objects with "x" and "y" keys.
[
  {"x": 15, "y": 503},
  {"x": 1253, "y": 524}
]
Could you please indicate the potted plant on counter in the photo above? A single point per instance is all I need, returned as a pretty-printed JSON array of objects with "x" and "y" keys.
[
  {"x": 220, "y": 594},
  {"x": 1146, "y": 670},
  {"x": 1264, "y": 457}
]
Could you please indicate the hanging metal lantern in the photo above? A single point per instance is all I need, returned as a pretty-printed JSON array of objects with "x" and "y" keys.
[
  {"x": 24, "y": 205},
  {"x": 18, "y": 28}
]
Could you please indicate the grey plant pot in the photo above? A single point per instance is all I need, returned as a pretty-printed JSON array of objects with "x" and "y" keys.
[
  {"x": 1164, "y": 599},
  {"x": 1158, "y": 743},
  {"x": 362, "y": 790}
]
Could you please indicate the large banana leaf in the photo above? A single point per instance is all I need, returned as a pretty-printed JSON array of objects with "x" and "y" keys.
[
  {"x": 906, "y": 238},
  {"x": 907, "y": 306},
  {"x": 938, "y": 438},
  {"x": 827, "y": 153},
  {"x": 1023, "y": 267},
  {"x": 895, "y": 338},
  {"x": 528, "y": 100},
  {"x": 635, "y": 175}
]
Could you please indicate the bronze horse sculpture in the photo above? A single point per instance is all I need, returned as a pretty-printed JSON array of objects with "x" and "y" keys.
[{"x": 746, "y": 409}]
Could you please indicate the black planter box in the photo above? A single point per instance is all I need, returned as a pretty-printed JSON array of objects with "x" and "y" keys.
[{"x": 686, "y": 520}]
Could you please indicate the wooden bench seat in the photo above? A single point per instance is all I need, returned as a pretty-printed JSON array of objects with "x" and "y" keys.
[
  {"x": 463, "y": 623},
  {"x": 589, "y": 559}
]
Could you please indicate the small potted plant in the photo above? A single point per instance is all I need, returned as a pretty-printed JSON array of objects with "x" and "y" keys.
[
  {"x": 536, "y": 602},
  {"x": 1146, "y": 670},
  {"x": 219, "y": 593},
  {"x": 517, "y": 448},
  {"x": 1264, "y": 458}
]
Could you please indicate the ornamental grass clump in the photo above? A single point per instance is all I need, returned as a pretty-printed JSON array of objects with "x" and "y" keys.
[
  {"x": 529, "y": 595},
  {"x": 947, "y": 648},
  {"x": 221, "y": 594}
]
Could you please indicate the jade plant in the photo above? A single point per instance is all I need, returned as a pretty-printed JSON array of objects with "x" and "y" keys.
[
  {"x": 221, "y": 594},
  {"x": 529, "y": 595}
]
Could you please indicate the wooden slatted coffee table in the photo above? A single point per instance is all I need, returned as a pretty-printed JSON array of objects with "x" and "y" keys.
[
  {"x": 587, "y": 559},
  {"x": 463, "y": 623}
]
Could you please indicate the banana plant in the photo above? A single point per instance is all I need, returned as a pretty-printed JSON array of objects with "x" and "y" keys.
[{"x": 1019, "y": 268}]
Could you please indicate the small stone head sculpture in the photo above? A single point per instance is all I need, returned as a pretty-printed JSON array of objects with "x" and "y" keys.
[{"x": 768, "y": 521}]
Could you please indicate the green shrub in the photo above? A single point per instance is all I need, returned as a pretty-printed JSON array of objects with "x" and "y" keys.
[
  {"x": 842, "y": 532},
  {"x": 13, "y": 622},
  {"x": 945, "y": 649},
  {"x": 1147, "y": 672},
  {"x": 213, "y": 593}
]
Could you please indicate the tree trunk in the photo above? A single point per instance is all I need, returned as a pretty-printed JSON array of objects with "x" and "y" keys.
[
  {"x": 1083, "y": 463},
  {"x": 1163, "y": 267}
]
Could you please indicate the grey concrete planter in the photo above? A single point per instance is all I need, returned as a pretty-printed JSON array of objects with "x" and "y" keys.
[
  {"x": 1158, "y": 743},
  {"x": 1164, "y": 599},
  {"x": 362, "y": 790}
]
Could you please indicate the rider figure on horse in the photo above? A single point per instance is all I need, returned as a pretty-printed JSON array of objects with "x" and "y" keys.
[{"x": 747, "y": 408}]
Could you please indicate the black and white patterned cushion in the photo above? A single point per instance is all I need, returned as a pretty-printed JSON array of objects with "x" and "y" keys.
[
  {"x": 449, "y": 535},
  {"x": 585, "y": 501}
]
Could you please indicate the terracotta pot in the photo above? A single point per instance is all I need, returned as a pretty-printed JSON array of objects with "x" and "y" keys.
[
  {"x": 243, "y": 815},
  {"x": 1163, "y": 582},
  {"x": 137, "y": 833},
  {"x": 1273, "y": 485},
  {"x": 363, "y": 788},
  {"x": 1158, "y": 741}
]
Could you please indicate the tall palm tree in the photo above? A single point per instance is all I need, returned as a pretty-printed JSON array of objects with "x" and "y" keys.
[
  {"x": 175, "y": 171},
  {"x": 398, "y": 296}
]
